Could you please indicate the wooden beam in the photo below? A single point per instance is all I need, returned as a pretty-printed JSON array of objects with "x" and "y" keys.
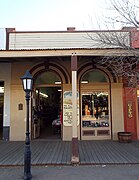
[{"x": 65, "y": 52}]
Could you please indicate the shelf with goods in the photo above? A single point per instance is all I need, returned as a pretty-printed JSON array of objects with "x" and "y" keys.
[{"x": 88, "y": 121}]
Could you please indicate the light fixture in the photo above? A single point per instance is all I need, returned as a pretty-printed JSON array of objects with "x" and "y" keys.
[
  {"x": 84, "y": 82},
  {"x": 37, "y": 91},
  {"x": 44, "y": 95},
  {"x": 1, "y": 89},
  {"x": 57, "y": 82},
  {"x": 27, "y": 81}
]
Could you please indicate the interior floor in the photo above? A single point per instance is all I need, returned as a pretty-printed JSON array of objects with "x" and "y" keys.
[{"x": 48, "y": 133}]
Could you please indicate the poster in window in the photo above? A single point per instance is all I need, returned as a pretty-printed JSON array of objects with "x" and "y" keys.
[{"x": 67, "y": 108}]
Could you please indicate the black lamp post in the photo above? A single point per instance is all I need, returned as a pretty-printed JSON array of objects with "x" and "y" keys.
[{"x": 27, "y": 81}]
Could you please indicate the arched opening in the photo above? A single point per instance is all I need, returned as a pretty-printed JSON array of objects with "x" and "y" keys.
[
  {"x": 95, "y": 105},
  {"x": 95, "y": 76},
  {"x": 46, "y": 103}
]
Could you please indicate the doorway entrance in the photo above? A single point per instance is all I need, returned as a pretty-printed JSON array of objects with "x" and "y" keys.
[
  {"x": 46, "y": 103},
  {"x": 48, "y": 113}
]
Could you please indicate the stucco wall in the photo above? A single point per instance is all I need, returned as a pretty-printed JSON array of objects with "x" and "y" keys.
[
  {"x": 17, "y": 129},
  {"x": 117, "y": 108},
  {"x": 18, "y": 117}
]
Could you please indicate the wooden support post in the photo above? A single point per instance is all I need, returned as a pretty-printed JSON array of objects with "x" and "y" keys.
[{"x": 75, "y": 149}]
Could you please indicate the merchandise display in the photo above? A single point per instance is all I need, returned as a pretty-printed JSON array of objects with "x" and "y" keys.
[{"x": 95, "y": 114}]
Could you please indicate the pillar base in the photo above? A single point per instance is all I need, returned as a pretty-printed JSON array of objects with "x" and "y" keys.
[
  {"x": 6, "y": 132},
  {"x": 75, "y": 151},
  {"x": 74, "y": 160}
]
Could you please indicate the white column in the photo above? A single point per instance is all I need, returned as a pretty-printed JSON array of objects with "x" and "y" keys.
[
  {"x": 75, "y": 148},
  {"x": 74, "y": 104}
]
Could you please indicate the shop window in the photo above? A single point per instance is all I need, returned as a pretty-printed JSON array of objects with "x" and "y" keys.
[
  {"x": 95, "y": 115},
  {"x": 95, "y": 104}
]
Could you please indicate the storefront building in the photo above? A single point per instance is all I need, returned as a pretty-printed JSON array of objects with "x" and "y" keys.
[{"x": 74, "y": 97}]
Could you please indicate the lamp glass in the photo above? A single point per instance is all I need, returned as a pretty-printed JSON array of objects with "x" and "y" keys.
[
  {"x": 24, "y": 84},
  {"x": 27, "y": 81},
  {"x": 27, "y": 84}
]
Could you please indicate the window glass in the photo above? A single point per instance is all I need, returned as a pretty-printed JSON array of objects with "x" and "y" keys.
[
  {"x": 95, "y": 107},
  {"x": 94, "y": 76},
  {"x": 48, "y": 78}
]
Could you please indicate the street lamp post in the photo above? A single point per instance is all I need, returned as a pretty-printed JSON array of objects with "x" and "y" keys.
[{"x": 27, "y": 82}]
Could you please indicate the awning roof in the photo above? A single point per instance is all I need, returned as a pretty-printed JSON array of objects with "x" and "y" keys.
[{"x": 65, "y": 52}]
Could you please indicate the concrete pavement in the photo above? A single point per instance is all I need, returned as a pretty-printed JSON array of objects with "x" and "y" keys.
[{"x": 99, "y": 172}]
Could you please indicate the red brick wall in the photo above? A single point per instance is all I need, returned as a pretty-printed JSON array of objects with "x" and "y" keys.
[
  {"x": 135, "y": 39},
  {"x": 130, "y": 121}
]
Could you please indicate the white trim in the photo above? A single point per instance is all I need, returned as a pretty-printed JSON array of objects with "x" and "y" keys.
[{"x": 5, "y": 70}]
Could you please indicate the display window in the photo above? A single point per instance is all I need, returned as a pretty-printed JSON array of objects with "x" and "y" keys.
[{"x": 95, "y": 114}]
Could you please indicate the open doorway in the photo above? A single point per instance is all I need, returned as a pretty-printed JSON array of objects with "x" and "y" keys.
[
  {"x": 1, "y": 107},
  {"x": 47, "y": 113}
]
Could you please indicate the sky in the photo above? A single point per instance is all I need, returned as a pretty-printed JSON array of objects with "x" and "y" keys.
[
  {"x": 48, "y": 15},
  {"x": 51, "y": 15}
]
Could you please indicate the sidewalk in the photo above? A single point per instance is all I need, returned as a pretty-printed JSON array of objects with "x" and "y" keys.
[
  {"x": 59, "y": 153},
  {"x": 101, "y": 172},
  {"x": 51, "y": 160}
]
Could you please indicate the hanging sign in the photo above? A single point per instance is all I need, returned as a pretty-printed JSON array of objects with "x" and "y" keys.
[
  {"x": 130, "y": 109},
  {"x": 67, "y": 108}
]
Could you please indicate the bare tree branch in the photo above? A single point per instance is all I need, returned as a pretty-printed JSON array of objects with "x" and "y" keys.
[
  {"x": 123, "y": 66},
  {"x": 126, "y": 12}
]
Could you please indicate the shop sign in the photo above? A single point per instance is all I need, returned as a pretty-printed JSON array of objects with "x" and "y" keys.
[
  {"x": 67, "y": 108},
  {"x": 130, "y": 109}
]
